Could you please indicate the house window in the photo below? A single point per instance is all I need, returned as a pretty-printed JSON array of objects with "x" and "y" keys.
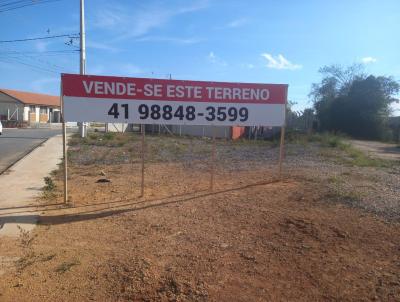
[
  {"x": 43, "y": 110},
  {"x": 32, "y": 109}
]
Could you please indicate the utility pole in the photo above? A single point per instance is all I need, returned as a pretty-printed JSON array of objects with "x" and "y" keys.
[{"x": 82, "y": 65}]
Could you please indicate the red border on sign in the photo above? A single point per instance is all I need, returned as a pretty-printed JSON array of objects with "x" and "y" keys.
[{"x": 73, "y": 86}]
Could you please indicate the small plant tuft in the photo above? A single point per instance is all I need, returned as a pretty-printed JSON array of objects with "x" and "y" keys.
[
  {"x": 109, "y": 135},
  {"x": 49, "y": 184},
  {"x": 29, "y": 256},
  {"x": 25, "y": 238}
]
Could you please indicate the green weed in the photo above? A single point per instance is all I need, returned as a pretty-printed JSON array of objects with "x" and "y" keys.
[
  {"x": 29, "y": 256},
  {"x": 49, "y": 184},
  {"x": 360, "y": 159},
  {"x": 109, "y": 135},
  {"x": 351, "y": 155}
]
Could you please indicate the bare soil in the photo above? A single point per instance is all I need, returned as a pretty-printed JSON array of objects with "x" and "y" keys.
[{"x": 255, "y": 237}]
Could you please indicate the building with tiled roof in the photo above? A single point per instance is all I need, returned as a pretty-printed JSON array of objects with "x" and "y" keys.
[{"x": 21, "y": 106}]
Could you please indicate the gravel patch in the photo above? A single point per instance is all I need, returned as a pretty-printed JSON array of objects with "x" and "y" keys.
[{"x": 374, "y": 189}]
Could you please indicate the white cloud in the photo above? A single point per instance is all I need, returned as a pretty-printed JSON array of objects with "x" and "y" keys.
[
  {"x": 212, "y": 58},
  {"x": 109, "y": 18},
  {"x": 169, "y": 39},
  {"x": 280, "y": 62},
  {"x": 129, "y": 69},
  {"x": 237, "y": 23},
  {"x": 118, "y": 69},
  {"x": 248, "y": 65},
  {"x": 44, "y": 85},
  {"x": 396, "y": 109},
  {"x": 368, "y": 60},
  {"x": 131, "y": 22},
  {"x": 101, "y": 46},
  {"x": 41, "y": 46},
  {"x": 95, "y": 69}
]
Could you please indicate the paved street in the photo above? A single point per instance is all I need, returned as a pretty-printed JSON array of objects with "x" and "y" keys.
[
  {"x": 17, "y": 205},
  {"x": 15, "y": 143}
]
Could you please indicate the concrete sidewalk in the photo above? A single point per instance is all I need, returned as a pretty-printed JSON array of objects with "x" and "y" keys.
[{"x": 20, "y": 185}]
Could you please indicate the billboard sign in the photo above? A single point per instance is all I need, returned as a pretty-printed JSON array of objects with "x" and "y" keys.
[{"x": 88, "y": 98}]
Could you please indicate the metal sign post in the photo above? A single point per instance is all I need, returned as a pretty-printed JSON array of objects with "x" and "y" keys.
[
  {"x": 143, "y": 152},
  {"x": 212, "y": 160},
  {"x": 64, "y": 131},
  {"x": 282, "y": 142},
  {"x": 281, "y": 150}
]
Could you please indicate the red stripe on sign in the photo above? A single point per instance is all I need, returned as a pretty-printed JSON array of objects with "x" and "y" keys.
[{"x": 171, "y": 90}]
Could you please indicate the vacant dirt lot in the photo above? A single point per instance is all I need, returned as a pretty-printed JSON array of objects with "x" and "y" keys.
[{"x": 327, "y": 231}]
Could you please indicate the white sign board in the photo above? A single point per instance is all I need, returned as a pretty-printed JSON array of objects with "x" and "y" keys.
[{"x": 155, "y": 101}]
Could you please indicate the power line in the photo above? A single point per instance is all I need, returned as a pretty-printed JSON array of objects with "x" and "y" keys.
[
  {"x": 38, "y": 55},
  {"x": 45, "y": 62},
  {"x": 67, "y": 51},
  {"x": 30, "y": 65},
  {"x": 4, "y": 2},
  {"x": 23, "y": 3},
  {"x": 32, "y": 54},
  {"x": 28, "y": 4},
  {"x": 72, "y": 36},
  {"x": 49, "y": 68},
  {"x": 17, "y": 56},
  {"x": 13, "y": 2}
]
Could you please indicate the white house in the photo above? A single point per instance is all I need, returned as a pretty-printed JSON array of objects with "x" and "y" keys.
[{"x": 28, "y": 107}]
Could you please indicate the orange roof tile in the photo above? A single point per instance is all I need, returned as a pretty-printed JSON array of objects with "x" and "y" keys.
[{"x": 33, "y": 98}]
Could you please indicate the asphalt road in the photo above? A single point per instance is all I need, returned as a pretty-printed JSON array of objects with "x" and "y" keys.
[{"x": 15, "y": 143}]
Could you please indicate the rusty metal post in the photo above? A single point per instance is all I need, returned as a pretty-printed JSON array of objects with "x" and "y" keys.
[
  {"x": 143, "y": 152},
  {"x": 282, "y": 143},
  {"x": 65, "y": 157},
  {"x": 212, "y": 160},
  {"x": 281, "y": 150}
]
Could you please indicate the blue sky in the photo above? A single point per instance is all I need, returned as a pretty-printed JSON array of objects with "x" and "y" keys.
[{"x": 217, "y": 40}]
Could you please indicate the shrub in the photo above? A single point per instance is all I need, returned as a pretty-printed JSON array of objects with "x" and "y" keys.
[
  {"x": 109, "y": 135},
  {"x": 50, "y": 185}
]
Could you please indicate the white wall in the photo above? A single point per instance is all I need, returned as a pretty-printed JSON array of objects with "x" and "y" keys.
[
  {"x": 27, "y": 110},
  {"x": 116, "y": 127},
  {"x": 26, "y": 113},
  {"x": 37, "y": 110}
]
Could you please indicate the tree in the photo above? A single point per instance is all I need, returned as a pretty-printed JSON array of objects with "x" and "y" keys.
[{"x": 349, "y": 101}]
